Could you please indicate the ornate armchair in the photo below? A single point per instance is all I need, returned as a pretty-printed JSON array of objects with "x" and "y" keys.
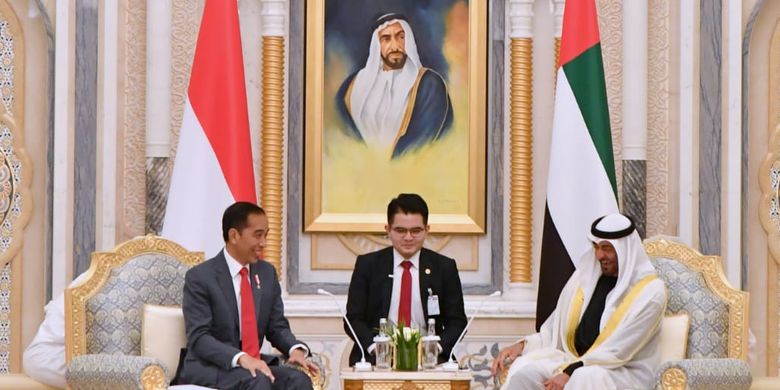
[
  {"x": 103, "y": 314},
  {"x": 717, "y": 336}
]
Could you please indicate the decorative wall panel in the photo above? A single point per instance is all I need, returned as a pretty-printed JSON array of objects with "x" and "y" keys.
[
  {"x": 611, "y": 29},
  {"x": 658, "y": 116},
  {"x": 15, "y": 196},
  {"x": 133, "y": 165},
  {"x": 184, "y": 35}
]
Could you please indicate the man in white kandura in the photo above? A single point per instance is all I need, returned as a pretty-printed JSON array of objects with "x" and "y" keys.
[{"x": 604, "y": 331}]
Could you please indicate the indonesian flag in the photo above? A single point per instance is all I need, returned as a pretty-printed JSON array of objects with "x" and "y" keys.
[
  {"x": 213, "y": 165},
  {"x": 581, "y": 177}
]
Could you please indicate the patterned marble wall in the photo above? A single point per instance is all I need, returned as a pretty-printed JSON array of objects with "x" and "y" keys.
[
  {"x": 132, "y": 184},
  {"x": 659, "y": 117}
]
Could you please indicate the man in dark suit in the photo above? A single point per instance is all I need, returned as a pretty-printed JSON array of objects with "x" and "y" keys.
[
  {"x": 233, "y": 301},
  {"x": 405, "y": 283}
]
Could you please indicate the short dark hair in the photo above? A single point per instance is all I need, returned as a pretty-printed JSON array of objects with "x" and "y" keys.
[
  {"x": 236, "y": 215},
  {"x": 407, "y": 204}
]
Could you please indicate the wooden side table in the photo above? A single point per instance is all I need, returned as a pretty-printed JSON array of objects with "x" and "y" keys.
[{"x": 406, "y": 380}]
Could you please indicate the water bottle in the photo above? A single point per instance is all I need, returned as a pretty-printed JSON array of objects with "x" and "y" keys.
[
  {"x": 382, "y": 346},
  {"x": 430, "y": 346}
]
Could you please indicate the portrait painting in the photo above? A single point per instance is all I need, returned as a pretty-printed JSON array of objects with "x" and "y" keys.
[{"x": 395, "y": 101}]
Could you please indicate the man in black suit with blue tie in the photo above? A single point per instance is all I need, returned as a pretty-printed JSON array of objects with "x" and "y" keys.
[
  {"x": 231, "y": 302},
  {"x": 405, "y": 283}
]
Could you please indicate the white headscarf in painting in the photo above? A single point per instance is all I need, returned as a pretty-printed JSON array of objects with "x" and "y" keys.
[{"x": 379, "y": 97}]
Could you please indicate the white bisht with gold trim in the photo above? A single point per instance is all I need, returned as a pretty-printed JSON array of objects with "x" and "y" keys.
[{"x": 625, "y": 354}]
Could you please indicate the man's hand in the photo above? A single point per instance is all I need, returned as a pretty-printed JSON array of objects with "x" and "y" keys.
[
  {"x": 511, "y": 352},
  {"x": 298, "y": 356},
  {"x": 254, "y": 365},
  {"x": 557, "y": 382}
]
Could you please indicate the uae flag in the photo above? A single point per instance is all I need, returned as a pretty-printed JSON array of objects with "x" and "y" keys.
[
  {"x": 213, "y": 164},
  {"x": 581, "y": 177}
]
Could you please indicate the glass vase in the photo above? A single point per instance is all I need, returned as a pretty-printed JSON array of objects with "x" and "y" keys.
[{"x": 406, "y": 356}]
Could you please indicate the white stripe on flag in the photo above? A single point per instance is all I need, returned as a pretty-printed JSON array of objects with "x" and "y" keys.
[
  {"x": 199, "y": 193},
  {"x": 578, "y": 188}
]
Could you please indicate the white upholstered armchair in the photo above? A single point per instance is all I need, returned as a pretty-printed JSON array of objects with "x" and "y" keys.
[
  {"x": 103, "y": 314},
  {"x": 716, "y": 355}
]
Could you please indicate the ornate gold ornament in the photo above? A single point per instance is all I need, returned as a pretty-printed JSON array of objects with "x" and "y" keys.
[
  {"x": 153, "y": 378},
  {"x": 674, "y": 379}
]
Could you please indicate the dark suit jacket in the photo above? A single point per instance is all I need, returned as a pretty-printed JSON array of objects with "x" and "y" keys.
[
  {"x": 211, "y": 318},
  {"x": 370, "y": 291}
]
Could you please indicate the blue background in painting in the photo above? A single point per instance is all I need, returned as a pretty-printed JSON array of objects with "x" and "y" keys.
[{"x": 351, "y": 21}]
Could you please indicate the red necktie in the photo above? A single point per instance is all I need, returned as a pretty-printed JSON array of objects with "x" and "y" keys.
[
  {"x": 405, "y": 305},
  {"x": 249, "y": 342}
]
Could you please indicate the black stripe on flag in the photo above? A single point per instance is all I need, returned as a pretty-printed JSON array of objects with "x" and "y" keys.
[{"x": 555, "y": 268}]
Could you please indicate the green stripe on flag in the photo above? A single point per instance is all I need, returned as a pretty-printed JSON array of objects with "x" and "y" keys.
[{"x": 585, "y": 74}]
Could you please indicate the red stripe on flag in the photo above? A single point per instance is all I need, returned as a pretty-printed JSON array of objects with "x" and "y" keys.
[
  {"x": 580, "y": 29},
  {"x": 217, "y": 94}
]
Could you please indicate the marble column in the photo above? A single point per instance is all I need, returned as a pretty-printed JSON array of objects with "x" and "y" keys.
[
  {"x": 557, "y": 7},
  {"x": 158, "y": 110},
  {"x": 710, "y": 26},
  {"x": 634, "y": 189},
  {"x": 85, "y": 136},
  {"x": 273, "y": 108},
  {"x": 521, "y": 140}
]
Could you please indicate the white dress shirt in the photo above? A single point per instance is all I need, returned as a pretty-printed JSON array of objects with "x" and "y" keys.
[
  {"x": 234, "y": 267},
  {"x": 418, "y": 317}
]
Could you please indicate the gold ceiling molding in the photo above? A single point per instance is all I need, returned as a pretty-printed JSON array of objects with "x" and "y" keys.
[
  {"x": 658, "y": 116},
  {"x": 272, "y": 165}
]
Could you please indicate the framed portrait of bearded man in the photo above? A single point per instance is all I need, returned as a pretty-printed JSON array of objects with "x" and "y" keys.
[{"x": 395, "y": 101}]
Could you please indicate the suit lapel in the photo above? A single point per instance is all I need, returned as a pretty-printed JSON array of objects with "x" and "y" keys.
[
  {"x": 225, "y": 282},
  {"x": 386, "y": 282},
  {"x": 425, "y": 276}
]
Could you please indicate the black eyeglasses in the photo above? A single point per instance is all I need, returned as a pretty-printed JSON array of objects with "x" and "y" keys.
[{"x": 415, "y": 231}]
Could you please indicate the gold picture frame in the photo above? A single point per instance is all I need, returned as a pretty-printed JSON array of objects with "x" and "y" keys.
[{"x": 468, "y": 215}]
